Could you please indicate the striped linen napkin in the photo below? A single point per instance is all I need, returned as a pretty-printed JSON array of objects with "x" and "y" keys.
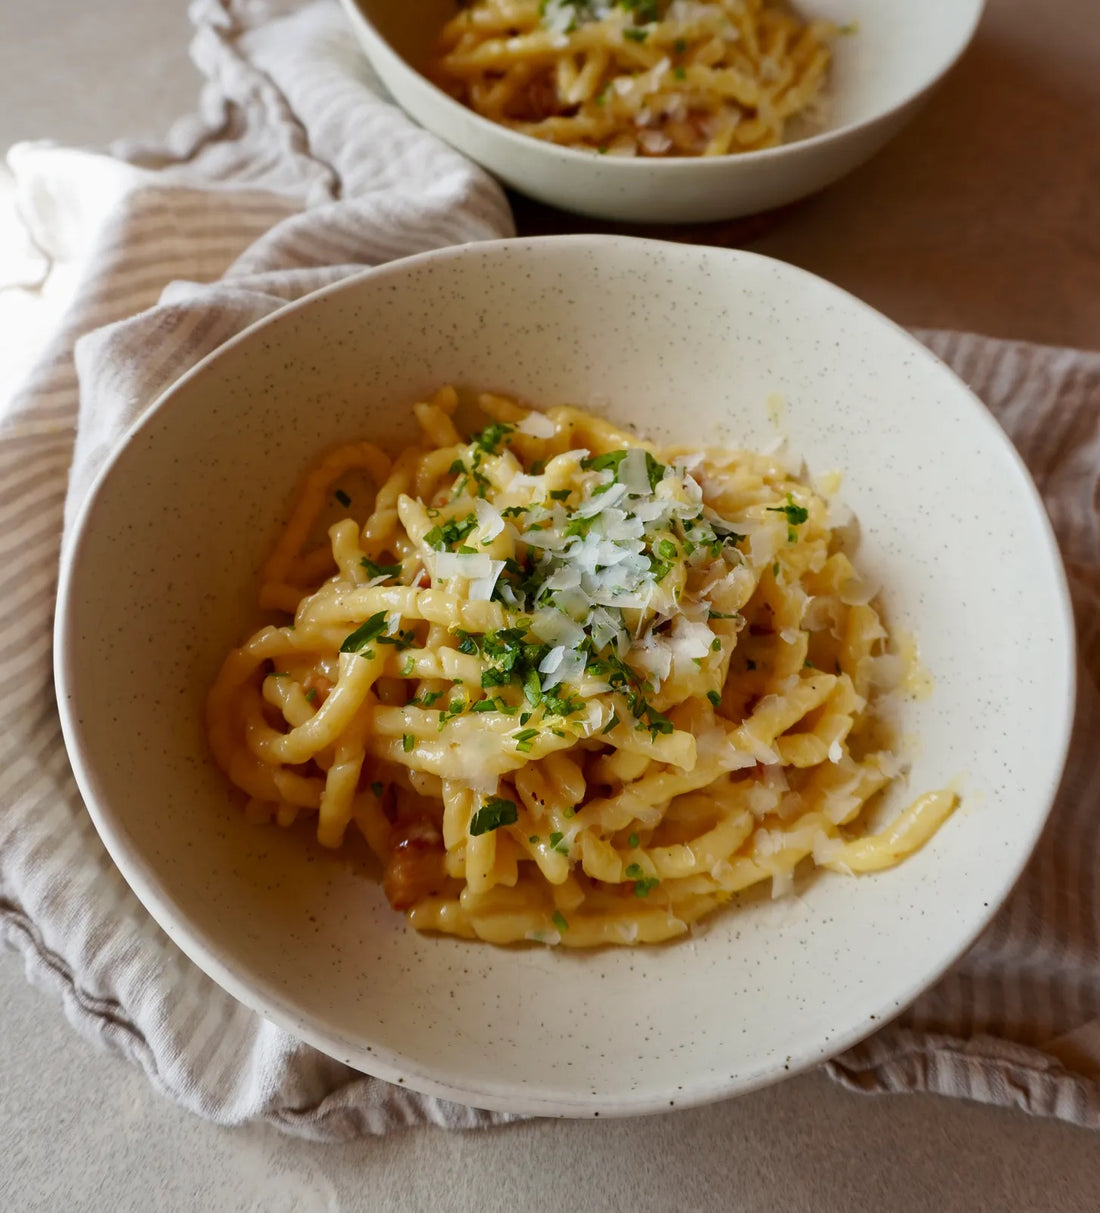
[{"x": 297, "y": 173}]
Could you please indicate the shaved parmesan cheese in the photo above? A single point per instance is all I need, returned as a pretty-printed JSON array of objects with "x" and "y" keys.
[
  {"x": 538, "y": 425},
  {"x": 569, "y": 669},
  {"x": 600, "y": 504},
  {"x": 782, "y": 884},
  {"x": 488, "y": 518},
  {"x": 481, "y": 588},
  {"x": 462, "y": 564},
  {"x": 634, "y": 473},
  {"x": 552, "y": 660},
  {"x": 552, "y": 627},
  {"x": 857, "y": 592}
]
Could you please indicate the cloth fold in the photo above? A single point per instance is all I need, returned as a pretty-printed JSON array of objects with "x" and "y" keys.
[{"x": 297, "y": 172}]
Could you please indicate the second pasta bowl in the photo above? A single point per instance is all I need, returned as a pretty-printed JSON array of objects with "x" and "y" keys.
[
  {"x": 525, "y": 738},
  {"x": 882, "y": 69}
]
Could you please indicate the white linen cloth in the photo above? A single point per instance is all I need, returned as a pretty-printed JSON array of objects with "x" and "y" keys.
[{"x": 297, "y": 173}]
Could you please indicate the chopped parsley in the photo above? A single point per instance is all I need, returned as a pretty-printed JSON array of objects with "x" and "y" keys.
[
  {"x": 632, "y": 841},
  {"x": 365, "y": 633},
  {"x": 715, "y": 697},
  {"x": 451, "y": 532},
  {"x": 492, "y": 815},
  {"x": 524, "y": 739},
  {"x": 491, "y": 437},
  {"x": 643, "y": 884},
  {"x": 380, "y": 570},
  {"x": 377, "y": 789},
  {"x": 636, "y": 35},
  {"x": 610, "y": 461},
  {"x": 403, "y": 640},
  {"x": 603, "y": 463},
  {"x": 794, "y": 513},
  {"x": 407, "y": 742},
  {"x": 557, "y": 841},
  {"x": 311, "y": 694},
  {"x": 558, "y": 918},
  {"x": 560, "y": 494},
  {"x": 454, "y": 708}
]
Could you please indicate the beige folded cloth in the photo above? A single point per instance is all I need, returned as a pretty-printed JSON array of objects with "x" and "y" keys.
[{"x": 298, "y": 173}]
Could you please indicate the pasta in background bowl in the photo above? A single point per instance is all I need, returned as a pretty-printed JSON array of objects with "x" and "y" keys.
[
  {"x": 728, "y": 350},
  {"x": 657, "y": 108}
]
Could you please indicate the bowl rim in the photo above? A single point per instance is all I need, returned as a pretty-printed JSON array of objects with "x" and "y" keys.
[
  {"x": 502, "y": 1094},
  {"x": 661, "y": 164}
]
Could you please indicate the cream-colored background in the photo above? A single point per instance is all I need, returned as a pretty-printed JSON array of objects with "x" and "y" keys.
[{"x": 984, "y": 215}]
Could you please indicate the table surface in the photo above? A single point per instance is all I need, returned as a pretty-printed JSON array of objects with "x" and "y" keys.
[{"x": 983, "y": 215}]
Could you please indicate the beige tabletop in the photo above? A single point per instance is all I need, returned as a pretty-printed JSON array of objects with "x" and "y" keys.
[{"x": 983, "y": 215}]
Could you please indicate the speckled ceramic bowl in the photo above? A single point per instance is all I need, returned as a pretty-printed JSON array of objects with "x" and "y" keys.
[
  {"x": 685, "y": 343},
  {"x": 880, "y": 76}
]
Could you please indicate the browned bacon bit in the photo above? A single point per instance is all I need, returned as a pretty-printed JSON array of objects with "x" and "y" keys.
[
  {"x": 415, "y": 867},
  {"x": 389, "y": 803},
  {"x": 316, "y": 688},
  {"x": 539, "y": 100}
]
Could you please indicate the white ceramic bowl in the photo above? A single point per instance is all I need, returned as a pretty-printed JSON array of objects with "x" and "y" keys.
[
  {"x": 879, "y": 78},
  {"x": 682, "y": 342}
]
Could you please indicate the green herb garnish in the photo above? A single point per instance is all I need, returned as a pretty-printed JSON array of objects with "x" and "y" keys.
[
  {"x": 491, "y": 437},
  {"x": 795, "y": 514},
  {"x": 365, "y": 633},
  {"x": 492, "y": 815},
  {"x": 524, "y": 739},
  {"x": 380, "y": 570},
  {"x": 643, "y": 884},
  {"x": 450, "y": 533}
]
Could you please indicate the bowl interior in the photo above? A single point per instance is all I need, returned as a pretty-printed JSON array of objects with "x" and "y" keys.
[
  {"x": 898, "y": 47},
  {"x": 684, "y": 343}
]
